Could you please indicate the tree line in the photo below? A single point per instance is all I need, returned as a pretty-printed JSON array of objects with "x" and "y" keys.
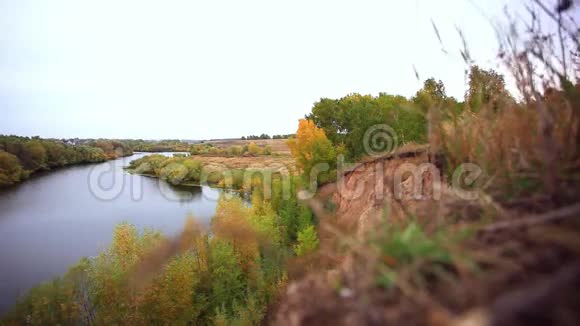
[
  {"x": 339, "y": 126},
  {"x": 156, "y": 146},
  {"x": 22, "y": 156},
  {"x": 250, "y": 149},
  {"x": 266, "y": 136}
]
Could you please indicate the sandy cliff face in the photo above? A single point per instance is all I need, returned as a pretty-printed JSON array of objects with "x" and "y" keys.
[
  {"x": 388, "y": 187},
  {"x": 391, "y": 187},
  {"x": 527, "y": 273}
]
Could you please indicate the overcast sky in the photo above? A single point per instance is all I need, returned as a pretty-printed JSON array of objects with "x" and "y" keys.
[{"x": 215, "y": 69}]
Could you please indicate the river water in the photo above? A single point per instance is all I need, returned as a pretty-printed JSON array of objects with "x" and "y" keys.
[{"x": 52, "y": 220}]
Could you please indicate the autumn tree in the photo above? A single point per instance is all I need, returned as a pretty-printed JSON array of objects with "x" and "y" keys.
[
  {"x": 254, "y": 149},
  {"x": 311, "y": 147},
  {"x": 171, "y": 297}
]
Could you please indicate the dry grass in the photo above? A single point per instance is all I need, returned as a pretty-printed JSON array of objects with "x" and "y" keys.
[
  {"x": 277, "y": 145},
  {"x": 511, "y": 151},
  {"x": 247, "y": 162}
]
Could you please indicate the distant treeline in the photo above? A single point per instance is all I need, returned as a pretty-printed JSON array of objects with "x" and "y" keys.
[
  {"x": 22, "y": 156},
  {"x": 168, "y": 145},
  {"x": 250, "y": 149},
  {"x": 266, "y": 136}
]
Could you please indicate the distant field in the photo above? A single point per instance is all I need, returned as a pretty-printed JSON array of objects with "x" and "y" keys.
[
  {"x": 275, "y": 163},
  {"x": 277, "y": 145}
]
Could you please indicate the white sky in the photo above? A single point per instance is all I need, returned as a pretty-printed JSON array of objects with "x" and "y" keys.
[{"x": 214, "y": 69}]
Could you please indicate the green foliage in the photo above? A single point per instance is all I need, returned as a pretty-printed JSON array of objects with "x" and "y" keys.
[
  {"x": 171, "y": 296},
  {"x": 250, "y": 312},
  {"x": 35, "y": 154},
  {"x": 230, "y": 151},
  {"x": 111, "y": 148},
  {"x": 189, "y": 171},
  {"x": 60, "y": 301},
  {"x": 267, "y": 150},
  {"x": 286, "y": 136},
  {"x": 401, "y": 246},
  {"x": 227, "y": 279},
  {"x": 345, "y": 121},
  {"x": 168, "y": 145},
  {"x": 254, "y": 137},
  {"x": 486, "y": 88},
  {"x": 10, "y": 169},
  {"x": 411, "y": 242},
  {"x": 307, "y": 241},
  {"x": 293, "y": 215},
  {"x": 175, "y": 172},
  {"x": 194, "y": 168}
]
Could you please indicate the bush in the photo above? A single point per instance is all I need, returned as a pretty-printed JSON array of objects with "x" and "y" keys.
[
  {"x": 253, "y": 149},
  {"x": 307, "y": 241}
]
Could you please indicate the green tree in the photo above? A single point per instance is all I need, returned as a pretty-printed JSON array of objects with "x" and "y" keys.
[
  {"x": 346, "y": 121},
  {"x": 55, "y": 153},
  {"x": 10, "y": 169},
  {"x": 486, "y": 88},
  {"x": 307, "y": 241},
  {"x": 33, "y": 156},
  {"x": 227, "y": 283}
]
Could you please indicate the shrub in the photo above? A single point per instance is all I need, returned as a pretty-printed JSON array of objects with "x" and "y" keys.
[
  {"x": 307, "y": 241},
  {"x": 403, "y": 245},
  {"x": 254, "y": 149}
]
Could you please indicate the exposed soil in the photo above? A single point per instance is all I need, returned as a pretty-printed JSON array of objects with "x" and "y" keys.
[{"x": 527, "y": 254}]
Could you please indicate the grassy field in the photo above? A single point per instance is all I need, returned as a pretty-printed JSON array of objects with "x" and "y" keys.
[
  {"x": 277, "y": 145},
  {"x": 247, "y": 162}
]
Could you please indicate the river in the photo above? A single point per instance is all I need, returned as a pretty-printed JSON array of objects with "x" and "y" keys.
[{"x": 52, "y": 220}]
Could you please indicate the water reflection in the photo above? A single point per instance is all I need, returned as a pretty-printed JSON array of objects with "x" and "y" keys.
[
  {"x": 185, "y": 193},
  {"x": 52, "y": 220}
]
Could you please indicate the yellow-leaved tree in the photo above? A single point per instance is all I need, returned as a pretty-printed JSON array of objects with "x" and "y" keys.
[{"x": 311, "y": 149}]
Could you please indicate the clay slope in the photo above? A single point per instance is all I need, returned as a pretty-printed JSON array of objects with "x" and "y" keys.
[{"x": 523, "y": 268}]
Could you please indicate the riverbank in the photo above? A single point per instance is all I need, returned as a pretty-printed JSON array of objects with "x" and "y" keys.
[
  {"x": 217, "y": 171},
  {"x": 22, "y": 157},
  {"x": 29, "y": 175}
]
